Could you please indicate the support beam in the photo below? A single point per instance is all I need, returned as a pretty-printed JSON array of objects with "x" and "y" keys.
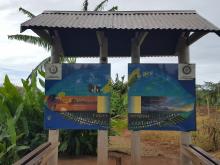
[
  {"x": 44, "y": 35},
  {"x": 135, "y": 135},
  {"x": 136, "y": 43},
  {"x": 102, "y": 151},
  {"x": 53, "y": 136},
  {"x": 182, "y": 50},
  {"x": 185, "y": 137},
  {"x": 59, "y": 46},
  {"x": 194, "y": 37},
  {"x": 103, "y": 46}
]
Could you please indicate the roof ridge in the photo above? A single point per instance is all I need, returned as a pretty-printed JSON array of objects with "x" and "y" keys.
[{"x": 143, "y": 11}]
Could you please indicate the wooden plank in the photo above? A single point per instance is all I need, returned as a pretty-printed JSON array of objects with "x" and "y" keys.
[
  {"x": 32, "y": 154},
  {"x": 191, "y": 156},
  {"x": 196, "y": 157},
  {"x": 205, "y": 154},
  {"x": 40, "y": 157},
  {"x": 51, "y": 151}
]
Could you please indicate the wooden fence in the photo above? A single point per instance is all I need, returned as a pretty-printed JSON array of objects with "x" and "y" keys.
[{"x": 41, "y": 155}]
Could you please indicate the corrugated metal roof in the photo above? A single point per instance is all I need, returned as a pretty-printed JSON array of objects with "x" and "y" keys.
[{"x": 128, "y": 20}]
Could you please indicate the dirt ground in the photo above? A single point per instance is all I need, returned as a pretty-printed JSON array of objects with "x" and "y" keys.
[
  {"x": 163, "y": 151},
  {"x": 125, "y": 161}
]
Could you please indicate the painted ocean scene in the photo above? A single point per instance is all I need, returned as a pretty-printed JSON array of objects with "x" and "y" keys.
[
  {"x": 166, "y": 102},
  {"x": 81, "y": 80},
  {"x": 158, "y": 80}
]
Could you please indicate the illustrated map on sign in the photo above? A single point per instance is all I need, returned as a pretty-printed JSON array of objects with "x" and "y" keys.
[
  {"x": 166, "y": 103},
  {"x": 72, "y": 100}
]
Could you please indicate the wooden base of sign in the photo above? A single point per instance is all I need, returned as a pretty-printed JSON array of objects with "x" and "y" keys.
[
  {"x": 54, "y": 139},
  {"x": 102, "y": 148},
  {"x": 135, "y": 148}
]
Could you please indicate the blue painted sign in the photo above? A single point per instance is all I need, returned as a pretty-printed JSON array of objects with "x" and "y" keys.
[
  {"x": 73, "y": 94},
  {"x": 166, "y": 103}
]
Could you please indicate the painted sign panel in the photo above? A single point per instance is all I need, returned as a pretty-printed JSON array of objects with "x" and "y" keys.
[
  {"x": 74, "y": 101},
  {"x": 158, "y": 100},
  {"x": 81, "y": 80}
]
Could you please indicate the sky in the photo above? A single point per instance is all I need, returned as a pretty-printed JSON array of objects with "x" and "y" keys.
[{"x": 17, "y": 59}]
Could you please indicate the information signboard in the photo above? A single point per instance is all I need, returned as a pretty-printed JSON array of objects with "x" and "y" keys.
[
  {"x": 73, "y": 94},
  {"x": 159, "y": 100}
]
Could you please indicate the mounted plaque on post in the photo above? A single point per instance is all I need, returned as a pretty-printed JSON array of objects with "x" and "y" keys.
[
  {"x": 73, "y": 99},
  {"x": 166, "y": 102}
]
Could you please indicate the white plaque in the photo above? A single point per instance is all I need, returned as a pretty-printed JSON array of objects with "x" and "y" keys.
[
  {"x": 53, "y": 71},
  {"x": 186, "y": 71}
]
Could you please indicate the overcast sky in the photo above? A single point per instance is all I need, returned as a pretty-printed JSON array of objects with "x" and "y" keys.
[{"x": 17, "y": 59}]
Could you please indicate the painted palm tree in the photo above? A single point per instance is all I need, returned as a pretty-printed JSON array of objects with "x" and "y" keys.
[{"x": 43, "y": 43}]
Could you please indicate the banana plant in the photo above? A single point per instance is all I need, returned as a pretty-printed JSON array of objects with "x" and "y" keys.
[{"x": 10, "y": 133}]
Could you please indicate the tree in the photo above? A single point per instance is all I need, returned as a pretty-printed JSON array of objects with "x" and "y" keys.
[
  {"x": 99, "y": 7},
  {"x": 208, "y": 95}
]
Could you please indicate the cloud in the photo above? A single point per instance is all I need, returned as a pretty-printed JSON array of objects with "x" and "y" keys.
[{"x": 17, "y": 58}]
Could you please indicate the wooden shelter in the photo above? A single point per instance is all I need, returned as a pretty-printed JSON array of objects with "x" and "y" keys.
[{"x": 132, "y": 34}]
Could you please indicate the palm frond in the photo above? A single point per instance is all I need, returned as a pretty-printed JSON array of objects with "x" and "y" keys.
[
  {"x": 28, "y": 13},
  {"x": 114, "y": 8},
  {"x": 100, "y": 6},
  {"x": 85, "y": 5},
  {"x": 40, "y": 67},
  {"x": 31, "y": 39}
]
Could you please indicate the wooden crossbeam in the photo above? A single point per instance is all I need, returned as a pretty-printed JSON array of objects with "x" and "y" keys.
[{"x": 44, "y": 35}]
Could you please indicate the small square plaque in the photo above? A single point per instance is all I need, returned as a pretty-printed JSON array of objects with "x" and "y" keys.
[
  {"x": 53, "y": 71},
  {"x": 186, "y": 71}
]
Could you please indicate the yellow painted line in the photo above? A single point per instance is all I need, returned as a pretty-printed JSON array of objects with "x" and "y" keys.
[
  {"x": 102, "y": 104},
  {"x": 136, "y": 104}
]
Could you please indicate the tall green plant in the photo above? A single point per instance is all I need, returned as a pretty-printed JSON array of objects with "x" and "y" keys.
[
  {"x": 11, "y": 108},
  {"x": 119, "y": 100}
]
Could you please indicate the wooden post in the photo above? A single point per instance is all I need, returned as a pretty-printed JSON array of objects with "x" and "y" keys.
[
  {"x": 53, "y": 136},
  {"x": 185, "y": 137},
  {"x": 102, "y": 151},
  {"x": 135, "y": 135}
]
